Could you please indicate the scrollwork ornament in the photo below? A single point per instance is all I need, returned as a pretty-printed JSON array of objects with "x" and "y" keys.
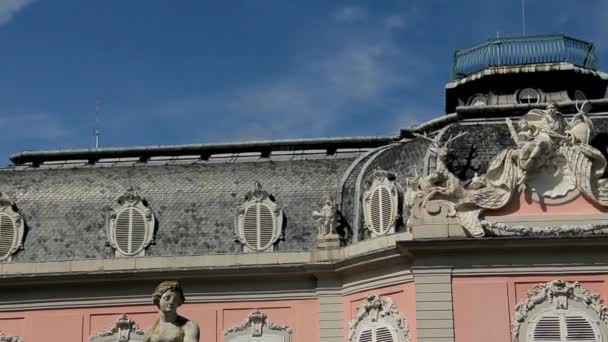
[{"x": 375, "y": 308}]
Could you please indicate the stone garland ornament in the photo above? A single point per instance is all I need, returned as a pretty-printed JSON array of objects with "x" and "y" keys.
[
  {"x": 557, "y": 292},
  {"x": 6, "y": 338},
  {"x": 503, "y": 229},
  {"x": 124, "y": 330},
  {"x": 552, "y": 160},
  {"x": 256, "y": 325},
  {"x": 375, "y": 308}
]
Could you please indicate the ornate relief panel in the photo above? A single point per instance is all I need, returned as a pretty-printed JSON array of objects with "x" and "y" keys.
[
  {"x": 12, "y": 229},
  {"x": 124, "y": 330},
  {"x": 257, "y": 328},
  {"x": 130, "y": 226},
  {"x": 378, "y": 319},
  {"x": 259, "y": 223},
  {"x": 381, "y": 203},
  {"x": 560, "y": 310}
]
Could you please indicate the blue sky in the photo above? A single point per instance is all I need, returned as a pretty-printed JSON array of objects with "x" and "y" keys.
[{"x": 192, "y": 71}]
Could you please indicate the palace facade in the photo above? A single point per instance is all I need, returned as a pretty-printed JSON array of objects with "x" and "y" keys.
[{"x": 488, "y": 223}]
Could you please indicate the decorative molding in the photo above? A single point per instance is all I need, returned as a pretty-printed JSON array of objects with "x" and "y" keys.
[
  {"x": 378, "y": 181},
  {"x": 256, "y": 325},
  {"x": 131, "y": 200},
  {"x": 501, "y": 229},
  {"x": 376, "y": 309},
  {"x": 9, "y": 210},
  {"x": 260, "y": 198},
  {"x": 124, "y": 330},
  {"x": 6, "y": 338},
  {"x": 558, "y": 293}
]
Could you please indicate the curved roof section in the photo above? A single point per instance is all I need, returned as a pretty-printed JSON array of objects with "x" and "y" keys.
[{"x": 509, "y": 51}]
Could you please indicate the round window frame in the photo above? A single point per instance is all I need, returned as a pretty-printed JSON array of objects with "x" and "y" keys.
[{"x": 541, "y": 96}]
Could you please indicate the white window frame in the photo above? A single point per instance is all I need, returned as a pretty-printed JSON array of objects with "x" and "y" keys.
[
  {"x": 376, "y": 312},
  {"x": 558, "y": 298},
  {"x": 9, "y": 210},
  {"x": 131, "y": 200},
  {"x": 254, "y": 199},
  {"x": 378, "y": 180}
]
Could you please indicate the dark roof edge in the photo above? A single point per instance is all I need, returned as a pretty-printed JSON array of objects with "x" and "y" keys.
[
  {"x": 429, "y": 126},
  {"x": 597, "y": 105},
  {"x": 204, "y": 150}
]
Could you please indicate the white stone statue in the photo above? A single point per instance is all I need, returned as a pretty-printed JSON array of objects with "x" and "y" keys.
[
  {"x": 327, "y": 217},
  {"x": 171, "y": 327}
]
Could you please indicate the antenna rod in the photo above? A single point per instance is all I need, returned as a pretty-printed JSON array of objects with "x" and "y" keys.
[
  {"x": 523, "y": 16},
  {"x": 97, "y": 124}
]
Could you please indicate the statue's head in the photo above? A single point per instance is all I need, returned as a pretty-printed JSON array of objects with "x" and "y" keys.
[
  {"x": 551, "y": 108},
  {"x": 166, "y": 288}
]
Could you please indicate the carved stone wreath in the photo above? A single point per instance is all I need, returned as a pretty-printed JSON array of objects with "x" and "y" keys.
[
  {"x": 557, "y": 292},
  {"x": 256, "y": 325},
  {"x": 6, "y": 338},
  {"x": 10, "y": 212},
  {"x": 375, "y": 309},
  {"x": 128, "y": 203},
  {"x": 124, "y": 330}
]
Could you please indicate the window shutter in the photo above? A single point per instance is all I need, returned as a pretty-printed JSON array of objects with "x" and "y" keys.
[
  {"x": 383, "y": 334},
  {"x": 7, "y": 234},
  {"x": 579, "y": 329},
  {"x": 381, "y": 209},
  {"x": 366, "y": 336},
  {"x": 130, "y": 230},
  {"x": 250, "y": 226},
  {"x": 548, "y": 329},
  {"x": 265, "y": 226}
]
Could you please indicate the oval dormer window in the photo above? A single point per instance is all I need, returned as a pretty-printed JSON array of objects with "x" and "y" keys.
[
  {"x": 478, "y": 100},
  {"x": 131, "y": 225},
  {"x": 8, "y": 234},
  {"x": 528, "y": 96}
]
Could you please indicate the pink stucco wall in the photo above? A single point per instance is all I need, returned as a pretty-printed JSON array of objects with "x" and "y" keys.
[
  {"x": 484, "y": 306},
  {"x": 524, "y": 205},
  {"x": 403, "y": 295},
  {"x": 76, "y": 325}
]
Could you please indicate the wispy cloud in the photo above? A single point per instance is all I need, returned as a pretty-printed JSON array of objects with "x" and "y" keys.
[
  {"x": 350, "y": 14},
  {"x": 326, "y": 92},
  {"x": 9, "y": 8}
]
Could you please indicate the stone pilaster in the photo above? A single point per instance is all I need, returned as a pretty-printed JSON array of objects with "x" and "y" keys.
[
  {"x": 434, "y": 313},
  {"x": 331, "y": 308}
]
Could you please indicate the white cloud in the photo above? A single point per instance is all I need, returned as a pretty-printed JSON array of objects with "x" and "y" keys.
[
  {"x": 350, "y": 14},
  {"x": 9, "y": 8}
]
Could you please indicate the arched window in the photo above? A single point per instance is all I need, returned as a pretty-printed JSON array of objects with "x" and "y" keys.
[
  {"x": 259, "y": 223},
  {"x": 378, "y": 320},
  {"x": 12, "y": 229},
  {"x": 130, "y": 226},
  {"x": 381, "y": 203},
  {"x": 560, "y": 311}
]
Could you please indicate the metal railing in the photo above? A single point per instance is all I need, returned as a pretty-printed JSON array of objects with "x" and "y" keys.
[{"x": 523, "y": 50}]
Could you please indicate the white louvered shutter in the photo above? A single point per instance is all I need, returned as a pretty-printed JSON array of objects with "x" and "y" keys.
[
  {"x": 579, "y": 329},
  {"x": 378, "y": 334},
  {"x": 130, "y": 231},
  {"x": 258, "y": 226},
  {"x": 8, "y": 230},
  {"x": 381, "y": 210},
  {"x": 569, "y": 327},
  {"x": 548, "y": 329},
  {"x": 366, "y": 336}
]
